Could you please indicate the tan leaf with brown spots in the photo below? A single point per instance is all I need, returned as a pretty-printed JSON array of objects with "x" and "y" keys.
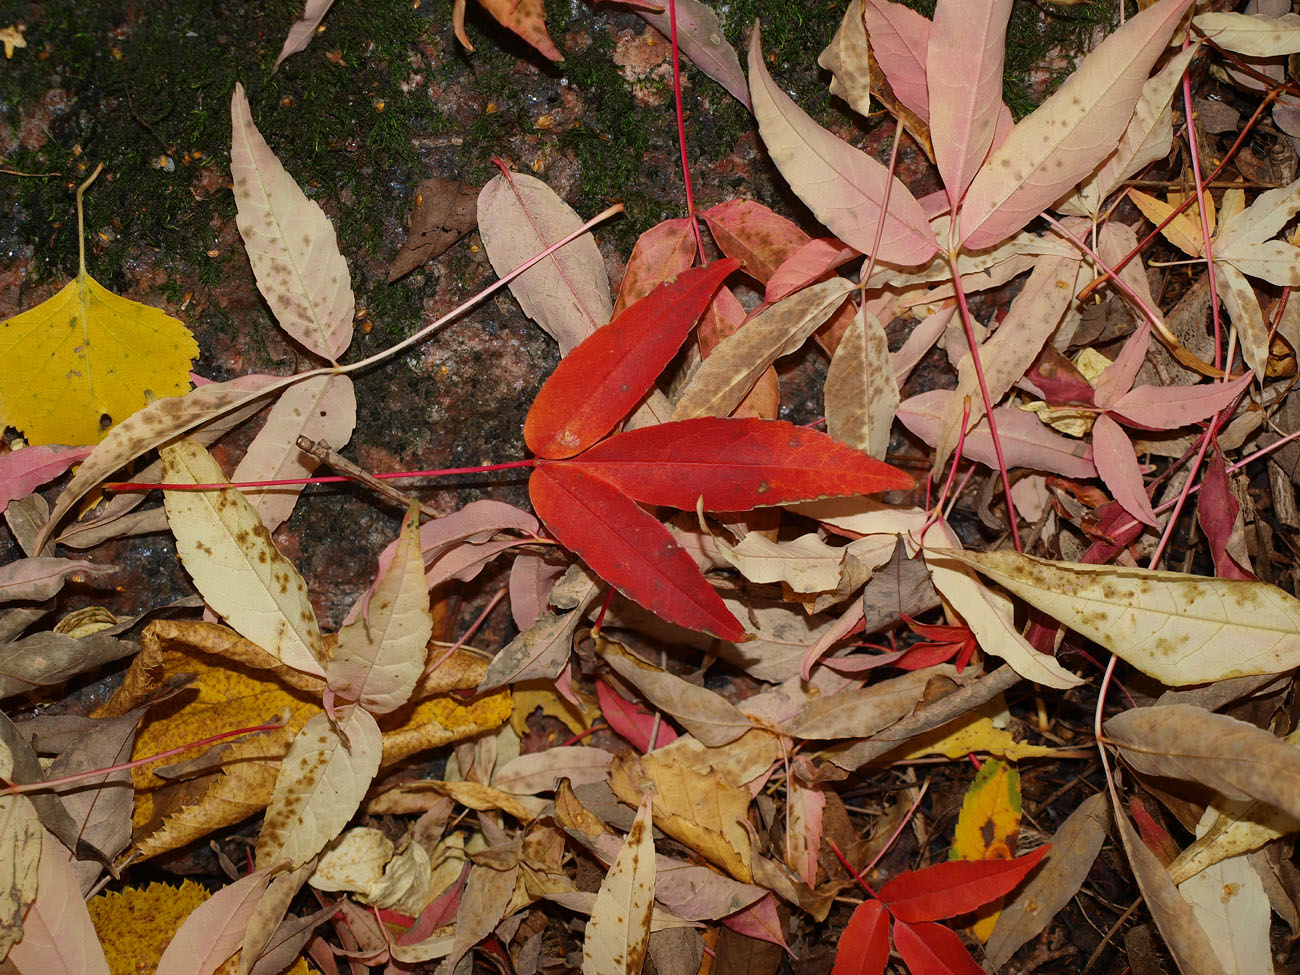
[{"x": 619, "y": 930}]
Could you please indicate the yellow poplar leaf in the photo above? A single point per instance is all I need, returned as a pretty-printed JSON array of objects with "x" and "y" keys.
[
  {"x": 322, "y": 780},
  {"x": 87, "y": 356},
  {"x": 290, "y": 242},
  {"x": 381, "y": 654},
  {"x": 214, "y": 930},
  {"x": 1176, "y": 627},
  {"x": 705, "y": 811},
  {"x": 134, "y": 926},
  {"x": 234, "y": 563},
  {"x": 987, "y": 829},
  {"x": 618, "y": 933}
]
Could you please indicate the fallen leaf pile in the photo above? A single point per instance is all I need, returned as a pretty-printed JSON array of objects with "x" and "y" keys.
[{"x": 744, "y": 649}]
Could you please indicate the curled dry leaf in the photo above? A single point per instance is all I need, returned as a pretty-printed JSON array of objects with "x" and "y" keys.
[
  {"x": 1178, "y": 628},
  {"x": 290, "y": 243},
  {"x": 848, "y": 58},
  {"x": 444, "y": 211},
  {"x": 618, "y": 933},
  {"x": 234, "y": 563},
  {"x": 41, "y": 577}
]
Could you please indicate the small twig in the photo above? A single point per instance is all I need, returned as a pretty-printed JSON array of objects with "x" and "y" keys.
[{"x": 322, "y": 452}]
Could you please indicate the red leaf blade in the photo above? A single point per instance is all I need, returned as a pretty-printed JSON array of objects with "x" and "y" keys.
[
  {"x": 736, "y": 464},
  {"x": 628, "y": 548},
  {"x": 599, "y": 382},
  {"x": 932, "y": 949},
  {"x": 864, "y": 946},
  {"x": 955, "y": 887}
]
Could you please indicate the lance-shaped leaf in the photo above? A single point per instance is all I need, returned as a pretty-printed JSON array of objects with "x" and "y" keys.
[
  {"x": 932, "y": 949},
  {"x": 235, "y": 564},
  {"x": 843, "y": 186},
  {"x": 1166, "y": 407},
  {"x": 303, "y": 29},
  {"x": 700, "y": 37},
  {"x": 1070, "y": 133},
  {"x": 1176, "y": 627},
  {"x": 599, "y": 382},
  {"x": 861, "y": 390},
  {"x": 1117, "y": 463},
  {"x": 628, "y": 548},
  {"x": 863, "y": 949},
  {"x": 660, "y": 254},
  {"x": 215, "y": 929},
  {"x": 381, "y": 654},
  {"x": 944, "y": 890},
  {"x": 618, "y": 933},
  {"x": 900, "y": 40},
  {"x": 58, "y": 936},
  {"x": 21, "y": 845},
  {"x": 290, "y": 242},
  {"x": 1254, "y": 34},
  {"x": 527, "y": 18},
  {"x": 734, "y": 465},
  {"x": 322, "y": 780}
]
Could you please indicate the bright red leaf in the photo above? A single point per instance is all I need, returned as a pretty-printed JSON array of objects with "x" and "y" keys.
[
  {"x": 735, "y": 465},
  {"x": 599, "y": 382},
  {"x": 955, "y": 887},
  {"x": 941, "y": 643},
  {"x": 932, "y": 949},
  {"x": 628, "y": 548},
  {"x": 864, "y": 946}
]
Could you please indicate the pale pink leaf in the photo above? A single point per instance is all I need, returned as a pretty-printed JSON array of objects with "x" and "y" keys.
[
  {"x": 215, "y": 929},
  {"x": 1031, "y": 319},
  {"x": 536, "y": 772},
  {"x": 41, "y": 577},
  {"x": 618, "y": 933},
  {"x": 155, "y": 424},
  {"x": 303, "y": 29},
  {"x": 661, "y": 253},
  {"x": 964, "y": 75},
  {"x": 23, "y": 471},
  {"x": 291, "y": 244},
  {"x": 806, "y": 265},
  {"x": 803, "y": 837},
  {"x": 58, "y": 936},
  {"x": 323, "y": 408},
  {"x": 539, "y": 651},
  {"x": 567, "y": 294},
  {"x": 531, "y": 578},
  {"x": 699, "y": 35},
  {"x": 1117, "y": 378},
  {"x": 1026, "y": 442},
  {"x": 900, "y": 39},
  {"x": 465, "y": 561},
  {"x": 920, "y": 341},
  {"x": 1167, "y": 407},
  {"x": 321, "y": 782},
  {"x": 760, "y": 920},
  {"x": 861, "y": 392},
  {"x": 754, "y": 234},
  {"x": 1070, "y": 133},
  {"x": 847, "y": 57},
  {"x": 380, "y": 656},
  {"x": 843, "y": 186},
  {"x": 1117, "y": 464}
]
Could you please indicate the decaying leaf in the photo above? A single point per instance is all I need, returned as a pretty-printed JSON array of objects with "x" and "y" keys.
[{"x": 443, "y": 212}]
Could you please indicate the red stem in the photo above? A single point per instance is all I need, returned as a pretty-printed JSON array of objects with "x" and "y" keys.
[{"x": 681, "y": 129}]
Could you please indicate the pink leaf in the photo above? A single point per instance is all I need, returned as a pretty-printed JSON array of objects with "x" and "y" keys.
[
  {"x": 215, "y": 929},
  {"x": 750, "y": 232},
  {"x": 23, "y": 471},
  {"x": 58, "y": 936},
  {"x": 1117, "y": 378},
  {"x": 807, "y": 265},
  {"x": 759, "y": 921},
  {"x": 632, "y": 721},
  {"x": 932, "y": 949},
  {"x": 699, "y": 35},
  {"x": 662, "y": 252},
  {"x": 900, "y": 39},
  {"x": 1112, "y": 452},
  {"x": 1166, "y": 407},
  {"x": 804, "y": 828}
]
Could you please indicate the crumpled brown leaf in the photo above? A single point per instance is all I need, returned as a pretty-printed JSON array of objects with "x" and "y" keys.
[{"x": 443, "y": 211}]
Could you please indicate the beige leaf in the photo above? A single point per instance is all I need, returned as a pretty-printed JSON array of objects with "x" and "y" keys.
[
  {"x": 381, "y": 653},
  {"x": 710, "y": 717},
  {"x": 321, "y": 408},
  {"x": 20, "y": 841},
  {"x": 844, "y": 187},
  {"x": 322, "y": 780},
  {"x": 618, "y": 933},
  {"x": 235, "y": 564},
  {"x": 483, "y": 904},
  {"x": 1238, "y": 297},
  {"x": 354, "y": 862},
  {"x": 721, "y": 381},
  {"x": 290, "y": 242},
  {"x": 860, "y": 712},
  {"x": 1178, "y": 628},
  {"x": 303, "y": 29},
  {"x": 848, "y": 60},
  {"x": 214, "y": 930},
  {"x": 1240, "y": 827},
  {"x": 58, "y": 936},
  {"x": 1237, "y": 759},
  {"x": 1252, "y": 34},
  {"x": 806, "y": 564},
  {"x": 527, "y": 775},
  {"x": 568, "y": 293},
  {"x": 861, "y": 391},
  {"x": 267, "y": 914},
  {"x": 1228, "y": 900}
]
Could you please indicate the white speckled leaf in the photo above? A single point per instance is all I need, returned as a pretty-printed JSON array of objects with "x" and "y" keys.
[
  {"x": 234, "y": 563},
  {"x": 323, "y": 408},
  {"x": 381, "y": 653},
  {"x": 290, "y": 242},
  {"x": 321, "y": 783},
  {"x": 1178, "y": 628},
  {"x": 568, "y": 293},
  {"x": 861, "y": 391},
  {"x": 619, "y": 930}
]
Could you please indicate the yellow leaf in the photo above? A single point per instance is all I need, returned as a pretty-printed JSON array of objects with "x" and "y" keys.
[
  {"x": 86, "y": 354},
  {"x": 975, "y": 731},
  {"x": 987, "y": 829},
  {"x": 533, "y": 694}
]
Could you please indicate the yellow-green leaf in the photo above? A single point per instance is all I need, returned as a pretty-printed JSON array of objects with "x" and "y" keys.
[
  {"x": 987, "y": 829},
  {"x": 86, "y": 358}
]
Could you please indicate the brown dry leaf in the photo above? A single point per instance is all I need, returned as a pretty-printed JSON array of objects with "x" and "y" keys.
[
  {"x": 862, "y": 712},
  {"x": 442, "y": 213},
  {"x": 618, "y": 933},
  {"x": 240, "y": 685},
  {"x": 1188, "y": 743},
  {"x": 416, "y": 796},
  {"x": 485, "y": 899},
  {"x": 47, "y": 658},
  {"x": 706, "y": 812},
  {"x": 527, "y": 775},
  {"x": 527, "y": 18},
  {"x": 229, "y": 553}
]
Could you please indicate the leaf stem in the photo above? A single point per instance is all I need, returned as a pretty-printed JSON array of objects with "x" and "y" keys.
[
  {"x": 681, "y": 130},
  {"x": 327, "y": 479},
  {"x": 81, "y": 221}
]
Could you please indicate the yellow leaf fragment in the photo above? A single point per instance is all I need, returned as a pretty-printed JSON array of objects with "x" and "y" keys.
[
  {"x": 987, "y": 829},
  {"x": 12, "y": 37},
  {"x": 86, "y": 359},
  {"x": 618, "y": 933},
  {"x": 135, "y": 926}
]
